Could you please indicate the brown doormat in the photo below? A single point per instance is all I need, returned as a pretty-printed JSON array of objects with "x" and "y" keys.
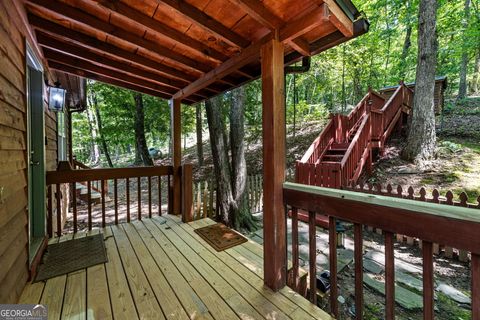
[
  {"x": 220, "y": 237},
  {"x": 68, "y": 256}
]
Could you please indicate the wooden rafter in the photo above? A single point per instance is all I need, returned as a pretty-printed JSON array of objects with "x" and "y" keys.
[
  {"x": 69, "y": 35},
  {"x": 339, "y": 19},
  {"x": 56, "y": 56},
  {"x": 86, "y": 74},
  {"x": 301, "y": 45},
  {"x": 258, "y": 12},
  {"x": 205, "y": 21},
  {"x": 304, "y": 24},
  {"x": 66, "y": 11},
  {"x": 162, "y": 29},
  {"x": 48, "y": 42}
]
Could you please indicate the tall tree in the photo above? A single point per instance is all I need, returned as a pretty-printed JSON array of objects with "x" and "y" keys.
[
  {"x": 407, "y": 43},
  {"x": 199, "y": 129},
  {"x": 100, "y": 130},
  {"x": 462, "y": 86},
  {"x": 422, "y": 138},
  {"x": 140, "y": 140},
  {"x": 95, "y": 151},
  {"x": 231, "y": 178}
]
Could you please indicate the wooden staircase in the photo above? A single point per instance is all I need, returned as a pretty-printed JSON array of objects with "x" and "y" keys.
[
  {"x": 343, "y": 150},
  {"x": 96, "y": 188}
]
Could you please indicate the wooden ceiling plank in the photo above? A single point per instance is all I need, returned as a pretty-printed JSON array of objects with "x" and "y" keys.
[
  {"x": 81, "y": 39},
  {"x": 301, "y": 46},
  {"x": 304, "y": 24},
  {"x": 339, "y": 19},
  {"x": 260, "y": 13},
  {"x": 66, "y": 11},
  {"x": 161, "y": 28},
  {"x": 46, "y": 41},
  {"x": 205, "y": 21}
]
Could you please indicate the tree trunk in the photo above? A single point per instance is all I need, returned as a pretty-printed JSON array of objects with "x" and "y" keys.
[
  {"x": 242, "y": 217},
  {"x": 476, "y": 75},
  {"x": 199, "y": 125},
  {"x": 140, "y": 140},
  {"x": 221, "y": 164},
  {"x": 462, "y": 86},
  {"x": 100, "y": 131},
  {"x": 231, "y": 179},
  {"x": 422, "y": 138},
  {"x": 407, "y": 42},
  {"x": 95, "y": 152}
]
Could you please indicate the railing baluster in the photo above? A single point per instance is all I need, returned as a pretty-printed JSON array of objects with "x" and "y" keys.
[
  {"x": 428, "y": 287},
  {"x": 312, "y": 254},
  {"x": 389, "y": 277},
  {"x": 73, "y": 186},
  {"x": 332, "y": 235},
  {"x": 89, "y": 202},
  {"x": 295, "y": 255},
  {"x": 358, "y": 249},
  {"x": 50, "y": 211},
  {"x": 103, "y": 203},
  {"x": 475, "y": 286},
  {"x": 127, "y": 190},
  {"x": 59, "y": 210},
  {"x": 115, "y": 199},
  {"x": 139, "y": 197},
  {"x": 149, "y": 196},
  {"x": 159, "y": 195}
]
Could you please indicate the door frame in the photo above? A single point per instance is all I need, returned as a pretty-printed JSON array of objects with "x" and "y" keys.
[{"x": 36, "y": 241}]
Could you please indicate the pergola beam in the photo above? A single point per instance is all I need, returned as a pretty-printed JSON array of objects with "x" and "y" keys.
[
  {"x": 162, "y": 29},
  {"x": 76, "y": 15},
  {"x": 259, "y": 13},
  {"x": 205, "y": 21}
]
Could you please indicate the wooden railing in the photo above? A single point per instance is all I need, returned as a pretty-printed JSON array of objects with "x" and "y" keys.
[
  {"x": 358, "y": 152},
  {"x": 77, "y": 165},
  {"x": 147, "y": 180},
  {"x": 318, "y": 147},
  {"x": 421, "y": 195},
  {"x": 431, "y": 222},
  {"x": 205, "y": 196}
]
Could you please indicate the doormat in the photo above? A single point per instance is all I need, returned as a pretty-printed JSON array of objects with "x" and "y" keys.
[
  {"x": 68, "y": 256},
  {"x": 220, "y": 237}
]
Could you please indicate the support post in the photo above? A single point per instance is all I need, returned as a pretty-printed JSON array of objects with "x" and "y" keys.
[
  {"x": 176, "y": 132},
  {"x": 274, "y": 219}
]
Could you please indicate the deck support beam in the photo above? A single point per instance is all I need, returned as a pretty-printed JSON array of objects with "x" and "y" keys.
[
  {"x": 274, "y": 219},
  {"x": 176, "y": 134}
]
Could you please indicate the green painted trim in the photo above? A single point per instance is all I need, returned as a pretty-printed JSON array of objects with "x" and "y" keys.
[{"x": 434, "y": 209}]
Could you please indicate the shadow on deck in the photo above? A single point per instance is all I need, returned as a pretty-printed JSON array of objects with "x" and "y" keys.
[{"x": 160, "y": 269}]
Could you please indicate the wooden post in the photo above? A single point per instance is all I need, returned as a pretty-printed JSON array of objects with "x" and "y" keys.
[
  {"x": 176, "y": 132},
  {"x": 274, "y": 219},
  {"x": 187, "y": 197}
]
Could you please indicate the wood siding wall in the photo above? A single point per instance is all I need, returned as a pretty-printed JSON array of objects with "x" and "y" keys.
[{"x": 14, "y": 270}]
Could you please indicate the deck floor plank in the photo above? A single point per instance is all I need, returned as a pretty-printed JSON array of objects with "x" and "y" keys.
[
  {"x": 120, "y": 296},
  {"x": 145, "y": 300},
  {"x": 98, "y": 297},
  {"x": 219, "y": 277},
  {"x": 190, "y": 301},
  {"x": 217, "y": 261},
  {"x": 214, "y": 302},
  {"x": 160, "y": 268},
  {"x": 171, "y": 307}
]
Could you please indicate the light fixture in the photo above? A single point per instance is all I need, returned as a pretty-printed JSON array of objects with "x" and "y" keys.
[{"x": 56, "y": 98}]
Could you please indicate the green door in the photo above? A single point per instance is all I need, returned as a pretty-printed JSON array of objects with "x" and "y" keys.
[{"x": 36, "y": 176}]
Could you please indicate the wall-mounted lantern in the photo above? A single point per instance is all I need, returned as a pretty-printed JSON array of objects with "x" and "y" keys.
[{"x": 56, "y": 98}]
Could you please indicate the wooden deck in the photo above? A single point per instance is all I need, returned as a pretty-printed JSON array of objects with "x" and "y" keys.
[{"x": 160, "y": 269}]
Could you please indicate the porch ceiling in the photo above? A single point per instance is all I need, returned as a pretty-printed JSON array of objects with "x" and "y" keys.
[{"x": 190, "y": 50}]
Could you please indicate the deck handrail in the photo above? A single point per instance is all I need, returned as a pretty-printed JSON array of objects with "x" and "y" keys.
[
  {"x": 320, "y": 143},
  {"x": 65, "y": 176},
  {"x": 431, "y": 222}
]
